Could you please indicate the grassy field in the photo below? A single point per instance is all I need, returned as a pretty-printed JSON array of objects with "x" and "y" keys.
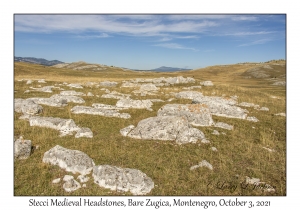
[{"x": 239, "y": 154}]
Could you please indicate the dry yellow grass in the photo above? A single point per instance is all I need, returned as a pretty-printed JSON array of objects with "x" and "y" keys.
[{"x": 240, "y": 151}]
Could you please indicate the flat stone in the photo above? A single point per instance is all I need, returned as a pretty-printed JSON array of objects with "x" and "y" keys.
[
  {"x": 215, "y": 132},
  {"x": 75, "y": 85},
  {"x": 281, "y": 114},
  {"x": 207, "y": 83},
  {"x": 252, "y": 119},
  {"x": 71, "y": 93},
  {"x": 214, "y": 149},
  {"x": 223, "y": 125},
  {"x": 134, "y": 104},
  {"x": 68, "y": 98},
  {"x": 70, "y": 160},
  {"x": 55, "y": 102},
  {"x": 56, "y": 181},
  {"x": 99, "y": 111},
  {"x": 115, "y": 95},
  {"x": 22, "y": 148},
  {"x": 108, "y": 84},
  {"x": 46, "y": 89},
  {"x": 148, "y": 87},
  {"x": 166, "y": 128},
  {"x": 84, "y": 132},
  {"x": 27, "y": 106},
  {"x": 264, "y": 109},
  {"x": 122, "y": 179},
  {"x": 196, "y": 114},
  {"x": 83, "y": 178},
  {"x": 126, "y": 130},
  {"x": 203, "y": 163},
  {"x": 188, "y": 94}
]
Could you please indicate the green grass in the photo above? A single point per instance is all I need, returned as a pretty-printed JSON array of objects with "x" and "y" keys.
[{"x": 240, "y": 151}]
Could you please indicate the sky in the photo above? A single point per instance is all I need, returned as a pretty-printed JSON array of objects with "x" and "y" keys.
[{"x": 148, "y": 41}]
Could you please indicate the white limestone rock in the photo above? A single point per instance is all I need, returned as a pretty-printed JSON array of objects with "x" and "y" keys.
[
  {"x": 84, "y": 132},
  {"x": 188, "y": 94},
  {"x": 70, "y": 184},
  {"x": 252, "y": 119},
  {"x": 99, "y": 111},
  {"x": 207, "y": 83},
  {"x": 281, "y": 114},
  {"x": 122, "y": 179},
  {"x": 166, "y": 128},
  {"x": 68, "y": 98},
  {"x": 126, "y": 130},
  {"x": 108, "y": 84},
  {"x": 22, "y": 148},
  {"x": 70, "y": 160},
  {"x": 224, "y": 125},
  {"x": 55, "y": 102},
  {"x": 116, "y": 95},
  {"x": 45, "y": 89},
  {"x": 215, "y": 132},
  {"x": 134, "y": 104},
  {"x": 196, "y": 114},
  {"x": 27, "y": 106},
  {"x": 75, "y": 85},
  {"x": 203, "y": 163},
  {"x": 71, "y": 93},
  {"x": 56, "y": 181},
  {"x": 83, "y": 178}
]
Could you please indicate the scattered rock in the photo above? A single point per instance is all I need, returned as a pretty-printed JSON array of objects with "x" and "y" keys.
[
  {"x": 122, "y": 179},
  {"x": 264, "y": 109},
  {"x": 214, "y": 149},
  {"x": 245, "y": 104},
  {"x": 224, "y": 125},
  {"x": 207, "y": 83},
  {"x": 46, "y": 89},
  {"x": 27, "y": 106},
  {"x": 90, "y": 94},
  {"x": 68, "y": 98},
  {"x": 252, "y": 119},
  {"x": 70, "y": 184},
  {"x": 29, "y": 82},
  {"x": 126, "y": 130},
  {"x": 166, "y": 128},
  {"x": 22, "y": 148},
  {"x": 196, "y": 114},
  {"x": 84, "y": 132},
  {"x": 56, "y": 181},
  {"x": 148, "y": 87},
  {"x": 281, "y": 114},
  {"x": 116, "y": 95},
  {"x": 134, "y": 104},
  {"x": 70, "y": 160},
  {"x": 71, "y": 93},
  {"x": 83, "y": 178},
  {"x": 188, "y": 94},
  {"x": 280, "y": 83},
  {"x": 42, "y": 81},
  {"x": 203, "y": 163},
  {"x": 99, "y": 111},
  {"x": 56, "y": 102},
  {"x": 108, "y": 84},
  {"x": 270, "y": 150},
  {"x": 74, "y": 85},
  {"x": 215, "y": 132}
]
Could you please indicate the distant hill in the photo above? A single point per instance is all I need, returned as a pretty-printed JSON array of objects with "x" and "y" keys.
[
  {"x": 169, "y": 69},
  {"x": 41, "y": 61}
]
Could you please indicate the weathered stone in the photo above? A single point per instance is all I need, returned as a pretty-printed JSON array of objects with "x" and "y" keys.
[
  {"x": 84, "y": 132},
  {"x": 74, "y": 85},
  {"x": 203, "y": 163},
  {"x": 246, "y": 104},
  {"x": 68, "y": 98},
  {"x": 130, "y": 85},
  {"x": 90, "y": 94},
  {"x": 29, "y": 82},
  {"x": 65, "y": 126},
  {"x": 280, "y": 83},
  {"x": 148, "y": 87},
  {"x": 281, "y": 114},
  {"x": 46, "y": 89},
  {"x": 70, "y": 160},
  {"x": 215, "y": 132},
  {"x": 188, "y": 94},
  {"x": 71, "y": 93},
  {"x": 134, "y": 104},
  {"x": 214, "y": 149},
  {"x": 196, "y": 114},
  {"x": 166, "y": 128},
  {"x": 264, "y": 109},
  {"x": 122, "y": 179},
  {"x": 207, "y": 83},
  {"x": 270, "y": 150},
  {"x": 192, "y": 87},
  {"x": 56, "y": 102},
  {"x": 126, "y": 130},
  {"x": 99, "y": 111},
  {"x": 224, "y": 125},
  {"x": 83, "y": 178},
  {"x": 22, "y": 148},
  {"x": 252, "y": 119},
  {"x": 41, "y": 81},
  {"x": 70, "y": 184},
  {"x": 106, "y": 106},
  {"x": 56, "y": 181},
  {"x": 108, "y": 84},
  {"x": 27, "y": 106}
]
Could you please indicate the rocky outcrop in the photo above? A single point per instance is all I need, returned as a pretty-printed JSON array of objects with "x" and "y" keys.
[
  {"x": 188, "y": 94},
  {"x": 196, "y": 114},
  {"x": 55, "y": 102},
  {"x": 68, "y": 98},
  {"x": 207, "y": 83},
  {"x": 70, "y": 160},
  {"x": 108, "y": 84},
  {"x": 167, "y": 128},
  {"x": 71, "y": 93},
  {"x": 122, "y": 179},
  {"x": 116, "y": 95}
]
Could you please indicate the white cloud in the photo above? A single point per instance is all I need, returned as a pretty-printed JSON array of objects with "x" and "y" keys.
[
  {"x": 103, "y": 35},
  {"x": 244, "y": 18},
  {"x": 260, "y": 41},
  {"x": 174, "y": 46}
]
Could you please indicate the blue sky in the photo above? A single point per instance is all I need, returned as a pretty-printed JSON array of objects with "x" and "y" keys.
[{"x": 150, "y": 41}]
